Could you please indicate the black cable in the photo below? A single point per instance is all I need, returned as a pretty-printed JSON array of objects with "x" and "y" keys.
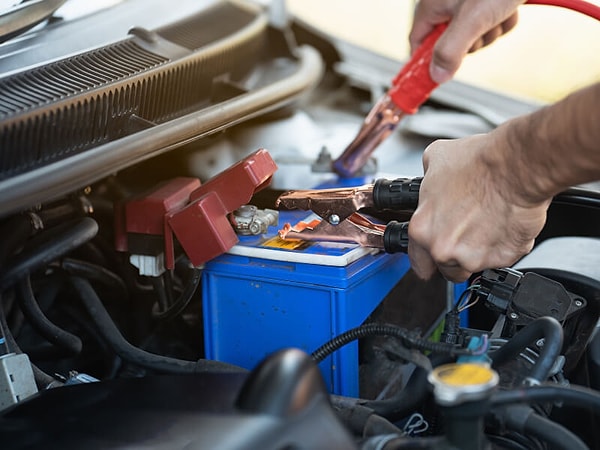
[
  {"x": 184, "y": 298},
  {"x": 48, "y": 247},
  {"x": 579, "y": 197},
  {"x": 168, "y": 283},
  {"x": 129, "y": 352},
  {"x": 375, "y": 329},
  {"x": 161, "y": 292},
  {"x": 547, "y": 328},
  {"x": 40, "y": 323}
]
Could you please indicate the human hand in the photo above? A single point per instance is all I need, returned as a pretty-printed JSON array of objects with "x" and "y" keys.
[
  {"x": 472, "y": 24},
  {"x": 472, "y": 213}
]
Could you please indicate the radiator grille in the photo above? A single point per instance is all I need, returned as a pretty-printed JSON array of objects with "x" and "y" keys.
[
  {"x": 70, "y": 106},
  {"x": 74, "y": 75}
]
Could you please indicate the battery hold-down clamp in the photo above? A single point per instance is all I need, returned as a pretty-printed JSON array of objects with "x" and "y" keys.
[{"x": 184, "y": 211}]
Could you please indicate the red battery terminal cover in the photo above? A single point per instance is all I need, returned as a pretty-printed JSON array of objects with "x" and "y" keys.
[{"x": 196, "y": 215}]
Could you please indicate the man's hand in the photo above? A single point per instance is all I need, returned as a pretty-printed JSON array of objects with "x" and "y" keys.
[
  {"x": 471, "y": 213},
  {"x": 472, "y": 24}
]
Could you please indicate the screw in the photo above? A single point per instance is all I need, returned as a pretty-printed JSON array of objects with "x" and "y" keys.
[
  {"x": 578, "y": 303},
  {"x": 513, "y": 315},
  {"x": 334, "y": 219}
]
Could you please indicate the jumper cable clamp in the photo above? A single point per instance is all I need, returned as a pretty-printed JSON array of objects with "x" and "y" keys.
[{"x": 340, "y": 218}]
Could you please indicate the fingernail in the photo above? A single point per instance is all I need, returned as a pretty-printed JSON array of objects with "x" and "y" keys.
[{"x": 439, "y": 74}]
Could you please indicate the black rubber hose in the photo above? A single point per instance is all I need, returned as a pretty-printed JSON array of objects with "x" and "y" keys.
[
  {"x": 51, "y": 245},
  {"x": 547, "y": 328},
  {"x": 375, "y": 329},
  {"x": 95, "y": 272},
  {"x": 129, "y": 352},
  {"x": 356, "y": 413},
  {"x": 32, "y": 311},
  {"x": 42, "y": 379},
  {"x": 554, "y": 434},
  {"x": 406, "y": 400},
  {"x": 391, "y": 442},
  {"x": 15, "y": 232},
  {"x": 572, "y": 395},
  {"x": 376, "y": 425},
  {"x": 524, "y": 420}
]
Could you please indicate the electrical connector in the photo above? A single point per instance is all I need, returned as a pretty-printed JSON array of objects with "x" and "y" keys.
[{"x": 16, "y": 379}]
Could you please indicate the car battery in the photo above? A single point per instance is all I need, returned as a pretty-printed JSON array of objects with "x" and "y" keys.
[{"x": 267, "y": 293}]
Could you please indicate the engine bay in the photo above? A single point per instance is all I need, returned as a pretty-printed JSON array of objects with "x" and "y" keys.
[{"x": 148, "y": 300}]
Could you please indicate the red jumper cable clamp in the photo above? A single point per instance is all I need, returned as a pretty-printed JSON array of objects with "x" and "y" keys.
[{"x": 410, "y": 89}]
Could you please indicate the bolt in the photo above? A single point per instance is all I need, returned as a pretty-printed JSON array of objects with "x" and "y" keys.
[
  {"x": 513, "y": 315},
  {"x": 578, "y": 303},
  {"x": 334, "y": 219},
  {"x": 255, "y": 228}
]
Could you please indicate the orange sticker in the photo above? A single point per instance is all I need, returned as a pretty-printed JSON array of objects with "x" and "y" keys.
[{"x": 287, "y": 244}]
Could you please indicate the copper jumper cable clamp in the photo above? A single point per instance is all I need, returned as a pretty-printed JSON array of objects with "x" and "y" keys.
[
  {"x": 338, "y": 217},
  {"x": 409, "y": 90},
  {"x": 337, "y": 210}
]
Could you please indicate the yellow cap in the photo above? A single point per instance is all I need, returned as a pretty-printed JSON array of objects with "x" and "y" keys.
[{"x": 460, "y": 382}]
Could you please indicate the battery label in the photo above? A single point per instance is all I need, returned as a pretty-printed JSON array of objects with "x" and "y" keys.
[{"x": 286, "y": 244}]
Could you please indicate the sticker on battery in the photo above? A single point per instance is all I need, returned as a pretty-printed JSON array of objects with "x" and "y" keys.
[
  {"x": 309, "y": 222},
  {"x": 286, "y": 244}
]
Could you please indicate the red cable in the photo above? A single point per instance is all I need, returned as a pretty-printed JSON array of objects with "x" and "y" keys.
[{"x": 581, "y": 6}]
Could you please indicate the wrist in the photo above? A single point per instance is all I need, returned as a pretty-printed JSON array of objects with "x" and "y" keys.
[{"x": 517, "y": 159}]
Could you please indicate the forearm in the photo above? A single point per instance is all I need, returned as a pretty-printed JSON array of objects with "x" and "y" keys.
[{"x": 554, "y": 148}]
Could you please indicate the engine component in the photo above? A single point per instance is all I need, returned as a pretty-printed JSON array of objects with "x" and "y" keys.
[
  {"x": 463, "y": 390},
  {"x": 281, "y": 404},
  {"x": 518, "y": 295},
  {"x": 16, "y": 379},
  {"x": 340, "y": 218},
  {"x": 248, "y": 220},
  {"x": 265, "y": 293},
  {"x": 74, "y": 306},
  {"x": 196, "y": 215}
]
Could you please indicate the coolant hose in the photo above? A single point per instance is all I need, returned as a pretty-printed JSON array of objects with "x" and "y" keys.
[
  {"x": 547, "y": 328},
  {"x": 405, "y": 401},
  {"x": 413, "y": 395},
  {"x": 131, "y": 353},
  {"x": 572, "y": 395},
  {"x": 393, "y": 409}
]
